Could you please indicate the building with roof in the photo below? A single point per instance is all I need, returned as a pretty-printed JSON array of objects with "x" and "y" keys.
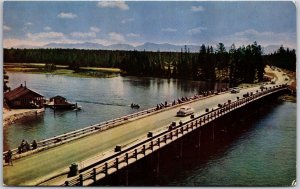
[
  {"x": 22, "y": 97},
  {"x": 59, "y": 102}
]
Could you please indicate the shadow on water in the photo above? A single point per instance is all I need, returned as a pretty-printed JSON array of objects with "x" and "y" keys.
[{"x": 216, "y": 140}]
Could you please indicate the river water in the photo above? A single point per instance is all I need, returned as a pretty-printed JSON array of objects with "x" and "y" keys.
[{"x": 264, "y": 155}]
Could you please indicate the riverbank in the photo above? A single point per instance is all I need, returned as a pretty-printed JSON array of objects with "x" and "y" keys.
[
  {"x": 13, "y": 115},
  {"x": 86, "y": 72}
]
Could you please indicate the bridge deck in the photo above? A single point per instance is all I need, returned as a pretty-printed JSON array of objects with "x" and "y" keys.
[{"x": 33, "y": 169}]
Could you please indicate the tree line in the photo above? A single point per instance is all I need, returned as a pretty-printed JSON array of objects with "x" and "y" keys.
[
  {"x": 235, "y": 65},
  {"x": 282, "y": 58}
]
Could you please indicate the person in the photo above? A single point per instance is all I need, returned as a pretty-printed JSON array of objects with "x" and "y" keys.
[
  {"x": 34, "y": 144},
  {"x": 8, "y": 158},
  {"x": 27, "y": 146},
  {"x": 23, "y": 147}
]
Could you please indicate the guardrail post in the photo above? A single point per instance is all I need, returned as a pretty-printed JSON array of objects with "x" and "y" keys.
[
  {"x": 144, "y": 149},
  {"x": 117, "y": 163},
  {"x": 165, "y": 138},
  {"x": 126, "y": 158},
  {"x": 81, "y": 180},
  {"x": 136, "y": 154},
  {"x": 151, "y": 145},
  {"x": 176, "y": 132},
  {"x": 94, "y": 174},
  {"x": 158, "y": 142},
  {"x": 171, "y": 135},
  {"x": 106, "y": 169}
]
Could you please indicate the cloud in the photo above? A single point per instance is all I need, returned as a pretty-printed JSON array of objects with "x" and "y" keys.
[
  {"x": 133, "y": 35},
  {"x": 169, "y": 30},
  {"x": 83, "y": 35},
  {"x": 45, "y": 36},
  {"x": 28, "y": 24},
  {"x": 126, "y": 20},
  {"x": 113, "y": 4},
  {"x": 6, "y": 28},
  {"x": 95, "y": 29},
  {"x": 13, "y": 42},
  {"x": 67, "y": 15},
  {"x": 116, "y": 37},
  {"x": 263, "y": 38},
  {"x": 196, "y": 30},
  {"x": 197, "y": 8},
  {"x": 47, "y": 28}
]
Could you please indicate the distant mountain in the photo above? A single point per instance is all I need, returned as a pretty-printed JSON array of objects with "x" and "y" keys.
[
  {"x": 86, "y": 45},
  {"x": 119, "y": 47},
  {"x": 146, "y": 46},
  {"x": 270, "y": 49}
]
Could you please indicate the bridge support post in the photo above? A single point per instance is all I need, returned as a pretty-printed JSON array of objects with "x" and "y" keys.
[
  {"x": 66, "y": 183},
  {"x": 213, "y": 132},
  {"x": 180, "y": 148},
  {"x": 126, "y": 177},
  {"x": 157, "y": 164},
  {"x": 199, "y": 139}
]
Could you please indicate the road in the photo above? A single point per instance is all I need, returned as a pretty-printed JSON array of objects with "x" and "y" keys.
[{"x": 33, "y": 169}]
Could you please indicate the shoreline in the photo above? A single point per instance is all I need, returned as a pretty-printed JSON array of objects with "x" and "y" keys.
[{"x": 13, "y": 115}]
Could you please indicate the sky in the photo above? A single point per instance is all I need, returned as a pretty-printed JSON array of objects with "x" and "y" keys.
[{"x": 37, "y": 23}]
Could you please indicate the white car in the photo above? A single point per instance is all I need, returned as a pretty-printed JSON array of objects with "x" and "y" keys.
[
  {"x": 235, "y": 90},
  {"x": 185, "y": 110}
]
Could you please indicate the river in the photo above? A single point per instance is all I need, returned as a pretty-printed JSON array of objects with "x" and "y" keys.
[{"x": 265, "y": 155}]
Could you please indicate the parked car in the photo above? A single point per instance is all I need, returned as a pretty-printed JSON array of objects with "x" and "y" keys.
[
  {"x": 235, "y": 90},
  {"x": 185, "y": 110}
]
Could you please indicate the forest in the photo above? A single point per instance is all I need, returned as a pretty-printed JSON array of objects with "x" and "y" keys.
[{"x": 235, "y": 65}]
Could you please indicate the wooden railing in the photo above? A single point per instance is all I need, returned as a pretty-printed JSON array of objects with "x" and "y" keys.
[{"x": 131, "y": 154}]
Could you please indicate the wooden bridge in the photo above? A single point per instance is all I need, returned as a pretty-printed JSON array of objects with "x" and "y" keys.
[{"x": 131, "y": 154}]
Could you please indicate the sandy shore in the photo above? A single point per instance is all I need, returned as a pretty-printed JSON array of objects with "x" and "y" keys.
[{"x": 11, "y": 116}]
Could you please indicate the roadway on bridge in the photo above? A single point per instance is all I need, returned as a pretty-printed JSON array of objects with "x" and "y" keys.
[{"x": 35, "y": 168}]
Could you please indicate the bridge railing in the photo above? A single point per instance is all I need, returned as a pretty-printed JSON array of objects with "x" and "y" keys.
[
  {"x": 66, "y": 137},
  {"x": 114, "y": 162}
]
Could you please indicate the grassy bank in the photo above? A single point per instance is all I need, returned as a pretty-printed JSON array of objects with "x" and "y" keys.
[{"x": 39, "y": 68}]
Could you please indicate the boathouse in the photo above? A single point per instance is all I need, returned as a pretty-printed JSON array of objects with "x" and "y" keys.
[
  {"x": 59, "y": 100},
  {"x": 23, "y": 97}
]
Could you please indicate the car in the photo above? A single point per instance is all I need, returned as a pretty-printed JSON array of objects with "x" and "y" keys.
[
  {"x": 273, "y": 82},
  {"x": 185, "y": 110},
  {"x": 262, "y": 87},
  {"x": 235, "y": 90}
]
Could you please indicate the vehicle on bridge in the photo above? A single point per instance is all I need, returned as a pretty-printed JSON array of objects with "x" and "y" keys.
[
  {"x": 273, "y": 82},
  {"x": 185, "y": 110},
  {"x": 235, "y": 90}
]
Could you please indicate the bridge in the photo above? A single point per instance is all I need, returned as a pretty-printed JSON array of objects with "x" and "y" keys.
[{"x": 105, "y": 148}]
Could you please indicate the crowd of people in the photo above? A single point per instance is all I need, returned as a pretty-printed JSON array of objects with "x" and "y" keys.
[
  {"x": 185, "y": 99},
  {"x": 25, "y": 146}
]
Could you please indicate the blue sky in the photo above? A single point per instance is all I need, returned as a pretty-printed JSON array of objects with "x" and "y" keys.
[{"x": 131, "y": 22}]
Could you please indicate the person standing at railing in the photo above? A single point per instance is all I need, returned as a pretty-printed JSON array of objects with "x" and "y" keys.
[
  {"x": 34, "y": 145},
  {"x": 8, "y": 158}
]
